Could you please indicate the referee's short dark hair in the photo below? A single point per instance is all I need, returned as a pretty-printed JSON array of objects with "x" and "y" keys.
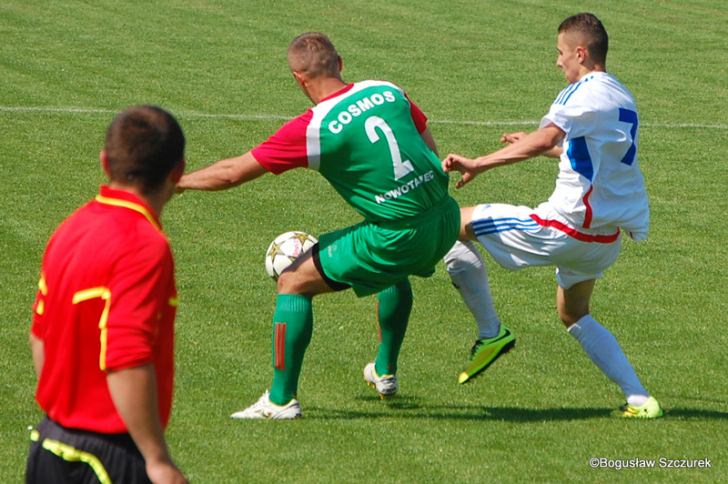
[{"x": 143, "y": 145}]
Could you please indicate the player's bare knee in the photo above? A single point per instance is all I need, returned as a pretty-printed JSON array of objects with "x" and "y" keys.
[
  {"x": 466, "y": 229},
  {"x": 289, "y": 283}
]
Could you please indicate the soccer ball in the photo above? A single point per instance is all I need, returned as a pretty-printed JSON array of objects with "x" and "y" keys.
[{"x": 285, "y": 249}]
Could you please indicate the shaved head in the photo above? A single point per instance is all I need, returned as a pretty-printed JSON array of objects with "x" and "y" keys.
[
  {"x": 591, "y": 32},
  {"x": 313, "y": 54}
]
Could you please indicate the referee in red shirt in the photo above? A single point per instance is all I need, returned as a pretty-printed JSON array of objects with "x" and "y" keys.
[{"x": 102, "y": 335}]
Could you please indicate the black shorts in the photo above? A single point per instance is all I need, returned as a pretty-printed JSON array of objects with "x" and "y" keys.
[{"x": 62, "y": 455}]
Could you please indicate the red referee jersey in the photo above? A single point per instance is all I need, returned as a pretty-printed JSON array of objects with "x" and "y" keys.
[{"x": 106, "y": 301}]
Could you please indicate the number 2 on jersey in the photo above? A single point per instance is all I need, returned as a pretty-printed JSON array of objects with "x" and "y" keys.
[{"x": 401, "y": 168}]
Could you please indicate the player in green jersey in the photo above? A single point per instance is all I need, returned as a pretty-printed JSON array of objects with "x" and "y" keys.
[{"x": 371, "y": 142}]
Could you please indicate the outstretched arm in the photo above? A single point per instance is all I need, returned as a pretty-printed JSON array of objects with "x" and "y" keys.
[
  {"x": 554, "y": 152},
  {"x": 223, "y": 174},
  {"x": 533, "y": 144}
]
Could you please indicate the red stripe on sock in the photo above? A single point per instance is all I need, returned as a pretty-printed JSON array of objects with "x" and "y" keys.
[{"x": 279, "y": 339}]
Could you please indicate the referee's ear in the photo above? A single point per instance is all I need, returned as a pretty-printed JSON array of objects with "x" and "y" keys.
[
  {"x": 178, "y": 171},
  {"x": 104, "y": 158}
]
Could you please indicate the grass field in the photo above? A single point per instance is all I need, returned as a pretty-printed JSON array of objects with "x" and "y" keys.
[{"x": 477, "y": 69}]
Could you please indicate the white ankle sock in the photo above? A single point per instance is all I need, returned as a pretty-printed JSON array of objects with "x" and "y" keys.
[
  {"x": 467, "y": 272},
  {"x": 604, "y": 350},
  {"x": 637, "y": 400}
]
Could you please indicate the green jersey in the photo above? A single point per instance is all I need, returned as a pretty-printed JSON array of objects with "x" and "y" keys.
[{"x": 364, "y": 141}]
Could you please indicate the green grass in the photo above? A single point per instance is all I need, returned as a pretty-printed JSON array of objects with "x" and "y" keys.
[{"x": 542, "y": 411}]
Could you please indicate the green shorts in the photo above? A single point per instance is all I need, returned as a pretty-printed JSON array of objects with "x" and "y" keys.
[{"x": 370, "y": 257}]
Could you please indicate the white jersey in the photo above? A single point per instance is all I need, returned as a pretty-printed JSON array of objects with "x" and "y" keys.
[{"x": 599, "y": 188}]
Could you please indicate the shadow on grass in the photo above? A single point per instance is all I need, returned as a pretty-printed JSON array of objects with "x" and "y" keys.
[
  {"x": 695, "y": 413},
  {"x": 412, "y": 408}
]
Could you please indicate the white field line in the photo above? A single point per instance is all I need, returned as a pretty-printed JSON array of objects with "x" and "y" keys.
[
  {"x": 181, "y": 114},
  {"x": 277, "y": 117}
]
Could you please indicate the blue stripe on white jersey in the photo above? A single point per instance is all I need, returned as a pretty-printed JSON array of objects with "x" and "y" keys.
[
  {"x": 494, "y": 225},
  {"x": 569, "y": 90},
  {"x": 565, "y": 91},
  {"x": 581, "y": 161}
]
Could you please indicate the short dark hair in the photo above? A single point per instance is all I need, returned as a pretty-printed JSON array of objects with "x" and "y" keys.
[
  {"x": 589, "y": 25},
  {"x": 314, "y": 54},
  {"x": 143, "y": 145}
]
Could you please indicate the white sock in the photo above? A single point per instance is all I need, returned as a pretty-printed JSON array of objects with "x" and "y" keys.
[
  {"x": 604, "y": 350},
  {"x": 467, "y": 273}
]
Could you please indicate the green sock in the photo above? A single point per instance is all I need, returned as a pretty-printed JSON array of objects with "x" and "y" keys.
[
  {"x": 393, "y": 310},
  {"x": 292, "y": 328}
]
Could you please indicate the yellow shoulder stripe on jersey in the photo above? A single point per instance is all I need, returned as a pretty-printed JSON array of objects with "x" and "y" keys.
[
  {"x": 105, "y": 295},
  {"x": 130, "y": 205},
  {"x": 42, "y": 286},
  {"x": 174, "y": 301},
  {"x": 71, "y": 454},
  {"x": 91, "y": 293}
]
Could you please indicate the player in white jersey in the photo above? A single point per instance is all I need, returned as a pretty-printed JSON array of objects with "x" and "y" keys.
[{"x": 592, "y": 127}]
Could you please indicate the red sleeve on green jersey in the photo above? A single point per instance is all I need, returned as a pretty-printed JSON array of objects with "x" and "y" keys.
[
  {"x": 286, "y": 149},
  {"x": 417, "y": 116}
]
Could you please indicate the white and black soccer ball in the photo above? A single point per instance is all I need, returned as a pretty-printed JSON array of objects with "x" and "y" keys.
[{"x": 285, "y": 249}]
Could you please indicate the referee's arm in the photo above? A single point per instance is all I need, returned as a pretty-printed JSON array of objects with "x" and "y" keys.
[
  {"x": 134, "y": 392},
  {"x": 37, "y": 351}
]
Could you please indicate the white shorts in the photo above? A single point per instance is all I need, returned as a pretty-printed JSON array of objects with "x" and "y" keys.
[{"x": 518, "y": 237}]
